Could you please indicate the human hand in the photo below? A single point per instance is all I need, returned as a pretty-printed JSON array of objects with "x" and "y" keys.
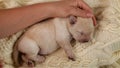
[{"x": 67, "y": 8}]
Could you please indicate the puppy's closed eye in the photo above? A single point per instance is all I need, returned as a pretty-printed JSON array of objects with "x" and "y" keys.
[{"x": 81, "y": 33}]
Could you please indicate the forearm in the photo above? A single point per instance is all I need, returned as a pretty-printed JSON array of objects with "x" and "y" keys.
[{"x": 14, "y": 20}]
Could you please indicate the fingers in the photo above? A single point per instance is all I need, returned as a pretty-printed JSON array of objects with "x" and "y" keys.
[
  {"x": 80, "y": 13},
  {"x": 94, "y": 21},
  {"x": 73, "y": 7},
  {"x": 82, "y": 9},
  {"x": 84, "y": 6}
]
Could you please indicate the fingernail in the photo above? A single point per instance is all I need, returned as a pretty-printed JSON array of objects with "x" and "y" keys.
[{"x": 89, "y": 15}]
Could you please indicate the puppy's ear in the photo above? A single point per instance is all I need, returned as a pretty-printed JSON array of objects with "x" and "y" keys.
[{"x": 73, "y": 20}]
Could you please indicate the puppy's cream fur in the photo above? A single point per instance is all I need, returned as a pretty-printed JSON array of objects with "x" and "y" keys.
[{"x": 45, "y": 37}]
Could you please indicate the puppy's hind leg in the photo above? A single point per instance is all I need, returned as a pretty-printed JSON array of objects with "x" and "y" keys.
[
  {"x": 30, "y": 49},
  {"x": 27, "y": 62},
  {"x": 31, "y": 62}
]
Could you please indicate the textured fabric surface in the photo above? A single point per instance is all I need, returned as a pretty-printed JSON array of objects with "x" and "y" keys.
[{"x": 103, "y": 51}]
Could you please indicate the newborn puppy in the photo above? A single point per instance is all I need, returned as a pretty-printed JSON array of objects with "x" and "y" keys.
[{"x": 46, "y": 37}]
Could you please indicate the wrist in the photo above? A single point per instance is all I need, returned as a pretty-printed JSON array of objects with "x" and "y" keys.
[
  {"x": 51, "y": 9},
  {"x": 46, "y": 9}
]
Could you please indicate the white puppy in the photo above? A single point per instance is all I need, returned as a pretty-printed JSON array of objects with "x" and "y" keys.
[{"x": 46, "y": 37}]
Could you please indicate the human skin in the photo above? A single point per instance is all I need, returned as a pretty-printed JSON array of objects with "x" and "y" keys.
[{"x": 16, "y": 19}]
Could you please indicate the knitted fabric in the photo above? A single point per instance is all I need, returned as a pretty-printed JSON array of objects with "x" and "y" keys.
[{"x": 103, "y": 51}]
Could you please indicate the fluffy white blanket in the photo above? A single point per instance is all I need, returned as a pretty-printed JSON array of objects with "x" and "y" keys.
[{"x": 104, "y": 51}]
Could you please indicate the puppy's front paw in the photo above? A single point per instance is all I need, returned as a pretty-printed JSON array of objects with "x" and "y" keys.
[
  {"x": 41, "y": 59},
  {"x": 72, "y": 57}
]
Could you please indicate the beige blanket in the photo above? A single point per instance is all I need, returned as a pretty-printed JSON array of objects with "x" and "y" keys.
[{"x": 104, "y": 51}]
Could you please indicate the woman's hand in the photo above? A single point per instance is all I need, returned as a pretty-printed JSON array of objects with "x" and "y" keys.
[
  {"x": 16, "y": 19},
  {"x": 66, "y": 8}
]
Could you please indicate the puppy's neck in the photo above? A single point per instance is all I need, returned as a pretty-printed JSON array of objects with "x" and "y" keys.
[{"x": 62, "y": 25}]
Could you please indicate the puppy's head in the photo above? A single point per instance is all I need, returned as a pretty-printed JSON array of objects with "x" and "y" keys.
[{"x": 81, "y": 29}]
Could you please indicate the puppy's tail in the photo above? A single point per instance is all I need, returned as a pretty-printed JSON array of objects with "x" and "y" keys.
[{"x": 16, "y": 56}]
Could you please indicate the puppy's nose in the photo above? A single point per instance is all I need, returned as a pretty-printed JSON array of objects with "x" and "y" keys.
[{"x": 84, "y": 40}]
